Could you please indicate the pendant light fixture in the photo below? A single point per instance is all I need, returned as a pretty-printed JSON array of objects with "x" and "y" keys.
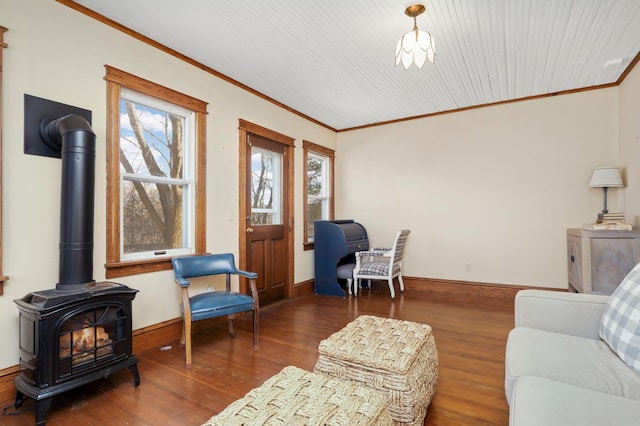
[{"x": 415, "y": 46}]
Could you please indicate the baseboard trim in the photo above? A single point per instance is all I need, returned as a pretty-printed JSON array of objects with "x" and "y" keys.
[
  {"x": 305, "y": 287},
  {"x": 463, "y": 288},
  {"x": 454, "y": 287},
  {"x": 157, "y": 335},
  {"x": 7, "y": 388}
]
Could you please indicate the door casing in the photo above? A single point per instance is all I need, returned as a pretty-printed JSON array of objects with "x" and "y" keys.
[{"x": 245, "y": 129}]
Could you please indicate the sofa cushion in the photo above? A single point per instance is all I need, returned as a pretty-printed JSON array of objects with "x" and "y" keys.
[
  {"x": 620, "y": 325},
  {"x": 578, "y": 361},
  {"x": 544, "y": 402}
]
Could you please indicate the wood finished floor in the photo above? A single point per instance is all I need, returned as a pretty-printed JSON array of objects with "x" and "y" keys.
[{"x": 470, "y": 336}]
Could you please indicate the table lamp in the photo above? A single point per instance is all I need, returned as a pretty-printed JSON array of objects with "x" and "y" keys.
[{"x": 605, "y": 178}]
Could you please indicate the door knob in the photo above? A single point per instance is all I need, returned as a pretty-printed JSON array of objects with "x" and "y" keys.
[{"x": 249, "y": 230}]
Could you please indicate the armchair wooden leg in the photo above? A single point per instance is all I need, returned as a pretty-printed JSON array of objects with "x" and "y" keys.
[
  {"x": 232, "y": 332},
  {"x": 184, "y": 333},
  {"x": 256, "y": 344},
  {"x": 393, "y": 292},
  {"x": 401, "y": 283},
  {"x": 187, "y": 342}
]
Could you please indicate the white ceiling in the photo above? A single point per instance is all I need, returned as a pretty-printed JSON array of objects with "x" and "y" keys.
[{"x": 333, "y": 60}]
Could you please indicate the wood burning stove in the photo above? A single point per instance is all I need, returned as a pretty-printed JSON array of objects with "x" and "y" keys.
[
  {"x": 68, "y": 339},
  {"x": 80, "y": 331}
]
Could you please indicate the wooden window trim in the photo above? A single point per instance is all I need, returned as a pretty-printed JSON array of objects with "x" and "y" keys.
[
  {"x": 3, "y": 45},
  {"x": 331, "y": 154},
  {"x": 115, "y": 80}
]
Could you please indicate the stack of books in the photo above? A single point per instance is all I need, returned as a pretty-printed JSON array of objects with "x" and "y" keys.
[
  {"x": 610, "y": 217},
  {"x": 611, "y": 221}
]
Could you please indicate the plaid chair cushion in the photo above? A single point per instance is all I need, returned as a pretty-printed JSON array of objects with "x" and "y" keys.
[
  {"x": 620, "y": 325},
  {"x": 375, "y": 268}
]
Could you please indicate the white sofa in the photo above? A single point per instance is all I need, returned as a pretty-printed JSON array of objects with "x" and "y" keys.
[{"x": 558, "y": 370}]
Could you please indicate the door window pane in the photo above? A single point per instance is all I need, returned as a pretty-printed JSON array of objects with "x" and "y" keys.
[{"x": 266, "y": 187}]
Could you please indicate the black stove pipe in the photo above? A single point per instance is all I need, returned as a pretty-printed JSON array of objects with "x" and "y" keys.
[{"x": 77, "y": 143}]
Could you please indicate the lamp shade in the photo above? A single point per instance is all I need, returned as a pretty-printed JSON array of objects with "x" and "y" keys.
[
  {"x": 415, "y": 47},
  {"x": 606, "y": 177}
]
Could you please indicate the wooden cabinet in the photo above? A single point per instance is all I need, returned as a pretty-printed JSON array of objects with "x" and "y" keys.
[{"x": 598, "y": 261}]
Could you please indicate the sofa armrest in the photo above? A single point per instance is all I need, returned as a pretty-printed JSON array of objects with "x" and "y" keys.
[{"x": 568, "y": 313}]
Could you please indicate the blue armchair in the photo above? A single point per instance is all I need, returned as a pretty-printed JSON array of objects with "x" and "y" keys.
[{"x": 213, "y": 304}]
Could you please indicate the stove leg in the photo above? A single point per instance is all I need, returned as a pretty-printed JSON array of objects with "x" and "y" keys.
[
  {"x": 136, "y": 375},
  {"x": 42, "y": 406},
  {"x": 19, "y": 400}
]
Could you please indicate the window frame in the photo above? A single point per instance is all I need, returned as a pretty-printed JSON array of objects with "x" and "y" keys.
[
  {"x": 117, "y": 80},
  {"x": 3, "y": 46},
  {"x": 318, "y": 150}
]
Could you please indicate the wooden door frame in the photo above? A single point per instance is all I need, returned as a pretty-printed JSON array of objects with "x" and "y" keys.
[{"x": 245, "y": 128}]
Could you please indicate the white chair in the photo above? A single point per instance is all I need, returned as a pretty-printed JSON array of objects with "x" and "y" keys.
[{"x": 381, "y": 264}]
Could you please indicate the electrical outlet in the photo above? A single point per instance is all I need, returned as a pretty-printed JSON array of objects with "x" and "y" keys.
[{"x": 467, "y": 266}]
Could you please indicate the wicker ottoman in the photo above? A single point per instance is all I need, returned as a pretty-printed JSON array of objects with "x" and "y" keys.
[
  {"x": 397, "y": 358},
  {"x": 298, "y": 397}
]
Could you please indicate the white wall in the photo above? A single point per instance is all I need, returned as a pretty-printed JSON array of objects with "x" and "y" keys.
[
  {"x": 494, "y": 187},
  {"x": 630, "y": 143},
  {"x": 59, "y": 54}
]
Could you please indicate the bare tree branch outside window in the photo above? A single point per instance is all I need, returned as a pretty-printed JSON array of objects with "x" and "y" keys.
[
  {"x": 151, "y": 155},
  {"x": 262, "y": 189}
]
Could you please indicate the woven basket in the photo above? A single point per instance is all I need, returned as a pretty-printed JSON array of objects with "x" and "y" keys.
[
  {"x": 297, "y": 397},
  {"x": 397, "y": 358}
]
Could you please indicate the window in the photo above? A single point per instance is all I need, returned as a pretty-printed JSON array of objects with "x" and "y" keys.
[
  {"x": 318, "y": 187},
  {"x": 2, "y": 46},
  {"x": 155, "y": 175},
  {"x": 266, "y": 188}
]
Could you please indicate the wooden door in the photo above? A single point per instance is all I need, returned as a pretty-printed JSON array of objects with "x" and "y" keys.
[{"x": 266, "y": 212}]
